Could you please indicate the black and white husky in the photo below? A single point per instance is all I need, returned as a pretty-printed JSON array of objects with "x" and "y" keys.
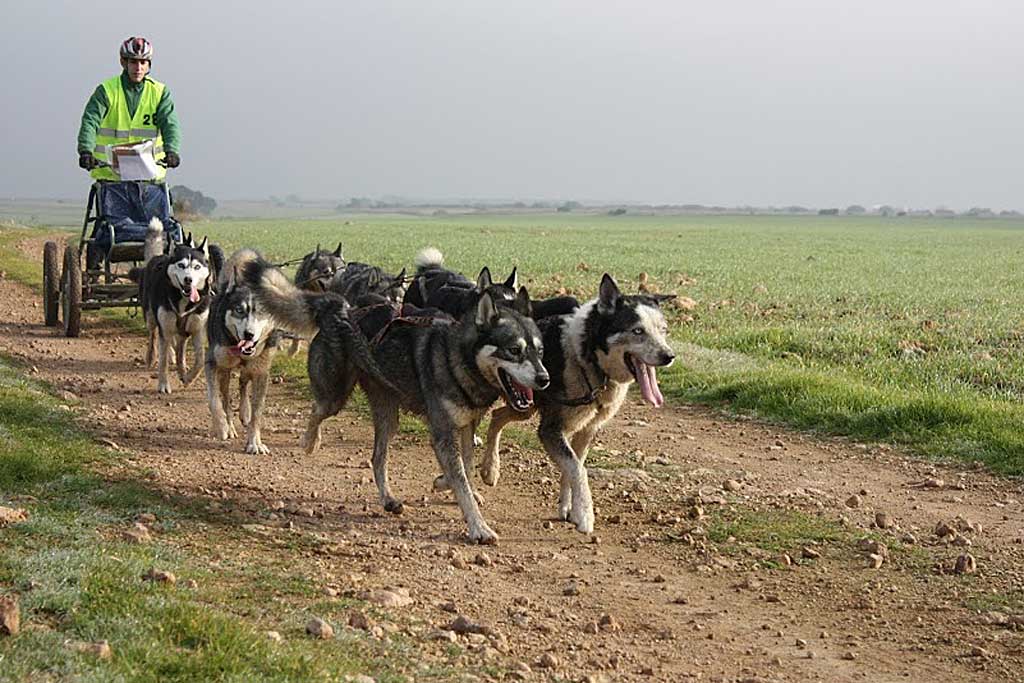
[
  {"x": 241, "y": 337},
  {"x": 593, "y": 355},
  {"x": 175, "y": 288},
  {"x": 447, "y": 373}
]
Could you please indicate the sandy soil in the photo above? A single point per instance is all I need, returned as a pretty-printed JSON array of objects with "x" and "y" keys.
[{"x": 675, "y": 605}]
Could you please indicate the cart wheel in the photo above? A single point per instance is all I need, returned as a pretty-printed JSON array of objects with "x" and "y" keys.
[
  {"x": 71, "y": 293},
  {"x": 51, "y": 284}
]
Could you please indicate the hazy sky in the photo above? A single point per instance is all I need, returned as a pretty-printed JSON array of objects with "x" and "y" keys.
[{"x": 908, "y": 102}]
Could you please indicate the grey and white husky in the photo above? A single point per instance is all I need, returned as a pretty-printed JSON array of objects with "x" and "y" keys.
[
  {"x": 593, "y": 354},
  {"x": 175, "y": 289},
  {"x": 447, "y": 373},
  {"x": 241, "y": 337}
]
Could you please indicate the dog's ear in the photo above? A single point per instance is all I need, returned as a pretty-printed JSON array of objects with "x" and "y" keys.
[
  {"x": 337, "y": 252},
  {"x": 318, "y": 250},
  {"x": 608, "y": 294},
  {"x": 483, "y": 280},
  {"x": 189, "y": 242},
  {"x": 522, "y": 304},
  {"x": 204, "y": 247},
  {"x": 486, "y": 311},
  {"x": 513, "y": 280}
]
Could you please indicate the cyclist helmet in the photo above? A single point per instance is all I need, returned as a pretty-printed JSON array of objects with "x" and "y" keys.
[{"x": 137, "y": 47}]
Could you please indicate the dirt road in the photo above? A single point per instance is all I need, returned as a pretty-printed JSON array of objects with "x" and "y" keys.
[{"x": 725, "y": 549}]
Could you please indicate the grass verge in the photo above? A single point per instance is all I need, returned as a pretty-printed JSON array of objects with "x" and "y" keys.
[{"x": 78, "y": 580}]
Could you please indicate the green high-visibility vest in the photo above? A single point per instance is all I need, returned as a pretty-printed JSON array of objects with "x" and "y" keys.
[{"x": 118, "y": 127}]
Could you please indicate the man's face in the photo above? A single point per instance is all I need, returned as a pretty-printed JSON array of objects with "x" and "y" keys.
[{"x": 136, "y": 68}]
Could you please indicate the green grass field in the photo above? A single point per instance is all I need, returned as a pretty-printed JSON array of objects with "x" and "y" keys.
[{"x": 898, "y": 330}]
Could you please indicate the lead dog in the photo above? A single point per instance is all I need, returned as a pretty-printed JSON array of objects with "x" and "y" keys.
[{"x": 593, "y": 355}]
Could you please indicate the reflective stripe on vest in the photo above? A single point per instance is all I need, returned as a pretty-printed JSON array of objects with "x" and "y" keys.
[{"x": 118, "y": 127}]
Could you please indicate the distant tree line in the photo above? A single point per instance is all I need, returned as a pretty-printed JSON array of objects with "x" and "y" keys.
[{"x": 186, "y": 200}]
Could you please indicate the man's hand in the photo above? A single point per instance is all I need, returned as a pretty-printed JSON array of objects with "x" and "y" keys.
[
  {"x": 172, "y": 159},
  {"x": 87, "y": 161}
]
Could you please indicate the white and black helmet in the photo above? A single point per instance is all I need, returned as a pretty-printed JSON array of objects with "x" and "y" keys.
[{"x": 137, "y": 47}]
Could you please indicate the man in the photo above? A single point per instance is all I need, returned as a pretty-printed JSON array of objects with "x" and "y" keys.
[{"x": 129, "y": 108}]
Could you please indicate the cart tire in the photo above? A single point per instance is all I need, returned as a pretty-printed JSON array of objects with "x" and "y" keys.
[
  {"x": 51, "y": 283},
  {"x": 71, "y": 293}
]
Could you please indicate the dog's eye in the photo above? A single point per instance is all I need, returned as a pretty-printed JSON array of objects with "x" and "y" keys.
[
  {"x": 196, "y": 267},
  {"x": 514, "y": 351},
  {"x": 638, "y": 331},
  {"x": 181, "y": 266}
]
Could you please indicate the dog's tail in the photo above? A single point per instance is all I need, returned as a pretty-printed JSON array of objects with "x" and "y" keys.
[
  {"x": 155, "y": 245},
  {"x": 427, "y": 259},
  {"x": 292, "y": 308},
  {"x": 216, "y": 264}
]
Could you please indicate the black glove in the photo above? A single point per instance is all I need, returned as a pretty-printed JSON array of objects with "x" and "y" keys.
[
  {"x": 172, "y": 159},
  {"x": 87, "y": 161}
]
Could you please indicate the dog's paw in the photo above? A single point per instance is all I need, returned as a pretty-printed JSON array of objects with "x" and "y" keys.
[
  {"x": 441, "y": 483},
  {"x": 583, "y": 517},
  {"x": 482, "y": 534},
  {"x": 393, "y": 506},
  {"x": 163, "y": 387},
  {"x": 311, "y": 444},
  {"x": 490, "y": 470},
  {"x": 565, "y": 508},
  {"x": 256, "y": 448},
  {"x": 477, "y": 441}
]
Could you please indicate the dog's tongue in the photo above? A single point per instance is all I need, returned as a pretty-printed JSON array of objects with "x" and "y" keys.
[
  {"x": 524, "y": 390},
  {"x": 193, "y": 294},
  {"x": 649, "y": 384},
  {"x": 242, "y": 346}
]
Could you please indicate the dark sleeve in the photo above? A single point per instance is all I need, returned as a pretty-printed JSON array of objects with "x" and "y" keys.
[
  {"x": 95, "y": 109},
  {"x": 167, "y": 121}
]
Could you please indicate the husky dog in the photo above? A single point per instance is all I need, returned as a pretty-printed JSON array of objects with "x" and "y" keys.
[
  {"x": 449, "y": 374},
  {"x": 360, "y": 283},
  {"x": 593, "y": 355},
  {"x": 240, "y": 336},
  {"x": 318, "y": 268},
  {"x": 434, "y": 286},
  {"x": 316, "y": 271},
  {"x": 174, "y": 292}
]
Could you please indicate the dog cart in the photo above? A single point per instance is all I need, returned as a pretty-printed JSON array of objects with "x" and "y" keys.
[{"x": 119, "y": 212}]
